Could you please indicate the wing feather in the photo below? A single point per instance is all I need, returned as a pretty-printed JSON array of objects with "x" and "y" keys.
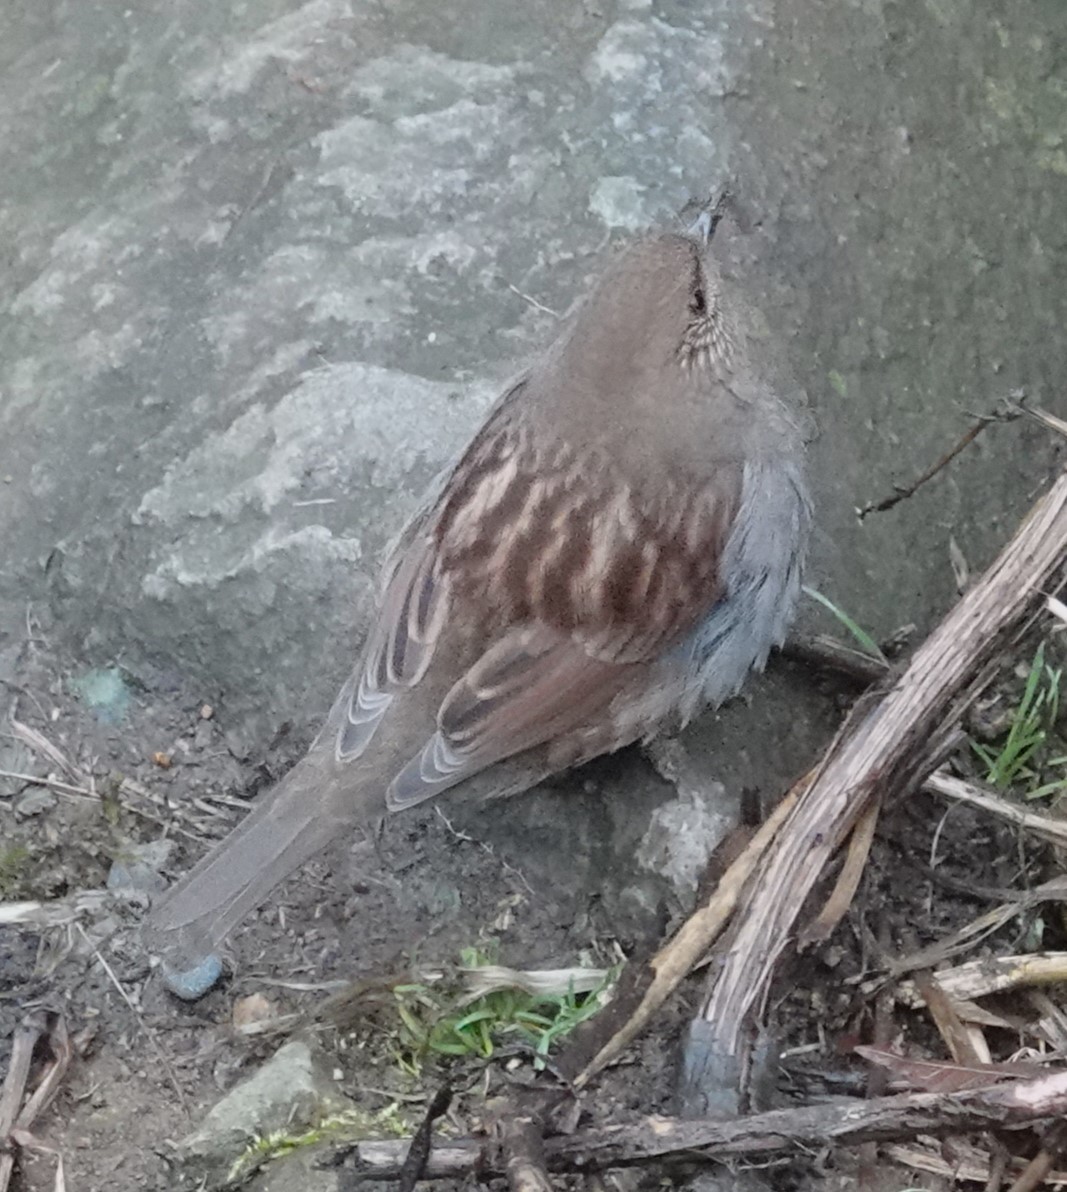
[
  {"x": 528, "y": 688},
  {"x": 401, "y": 646},
  {"x": 582, "y": 581}
]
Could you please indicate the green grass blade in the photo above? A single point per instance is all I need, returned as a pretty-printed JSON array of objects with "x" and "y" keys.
[{"x": 861, "y": 635}]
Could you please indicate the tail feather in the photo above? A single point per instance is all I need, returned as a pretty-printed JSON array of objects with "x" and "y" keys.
[{"x": 306, "y": 811}]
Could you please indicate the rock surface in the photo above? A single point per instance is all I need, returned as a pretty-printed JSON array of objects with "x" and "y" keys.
[
  {"x": 294, "y": 1090},
  {"x": 266, "y": 267}
]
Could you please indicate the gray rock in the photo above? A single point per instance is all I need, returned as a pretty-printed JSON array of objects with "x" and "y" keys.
[
  {"x": 138, "y": 867},
  {"x": 300, "y": 1170},
  {"x": 292, "y": 1091},
  {"x": 683, "y": 831},
  {"x": 34, "y": 801},
  {"x": 258, "y": 255}
]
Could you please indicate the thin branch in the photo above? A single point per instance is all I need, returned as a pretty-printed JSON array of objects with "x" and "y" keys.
[
  {"x": 64, "y": 788},
  {"x": 148, "y": 1033},
  {"x": 828, "y": 654},
  {"x": 415, "y": 1160},
  {"x": 1007, "y": 414},
  {"x": 647, "y": 988},
  {"x": 840, "y": 1122},
  {"x": 848, "y": 880},
  {"x": 16, "y": 1123},
  {"x": 18, "y": 1073},
  {"x": 949, "y": 787},
  {"x": 1043, "y": 418},
  {"x": 41, "y": 1098},
  {"x": 533, "y": 302},
  {"x": 522, "y": 1152}
]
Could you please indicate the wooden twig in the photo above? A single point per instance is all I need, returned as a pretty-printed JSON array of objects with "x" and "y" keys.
[
  {"x": 41, "y": 1098},
  {"x": 966, "y": 1165},
  {"x": 970, "y": 935},
  {"x": 882, "y": 1030},
  {"x": 992, "y": 974},
  {"x": 848, "y": 880},
  {"x": 57, "y": 913},
  {"x": 828, "y": 654},
  {"x": 419, "y": 1151},
  {"x": 949, "y": 787},
  {"x": 840, "y": 1122},
  {"x": 16, "y": 1123},
  {"x": 149, "y": 1034},
  {"x": 63, "y": 788},
  {"x": 533, "y": 302},
  {"x": 999, "y": 1158},
  {"x": 1037, "y": 1170},
  {"x": 644, "y": 989},
  {"x": 1035, "y": 1173},
  {"x": 1044, "y": 418},
  {"x": 883, "y": 749},
  {"x": 522, "y": 1152},
  {"x": 41, "y": 744},
  {"x": 1006, "y": 414},
  {"x": 949, "y": 1025},
  {"x": 18, "y": 1073}
]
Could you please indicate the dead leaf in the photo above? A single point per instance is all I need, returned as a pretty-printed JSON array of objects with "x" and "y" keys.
[{"x": 943, "y": 1076}]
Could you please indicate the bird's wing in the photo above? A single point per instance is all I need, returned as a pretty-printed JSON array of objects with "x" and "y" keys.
[
  {"x": 400, "y": 647},
  {"x": 584, "y": 580},
  {"x": 413, "y": 608}
]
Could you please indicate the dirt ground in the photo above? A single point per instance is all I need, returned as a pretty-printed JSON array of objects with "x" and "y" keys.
[
  {"x": 147, "y": 1067},
  {"x": 376, "y": 908}
]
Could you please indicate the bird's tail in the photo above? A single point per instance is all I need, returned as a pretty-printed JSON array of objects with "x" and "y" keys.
[{"x": 307, "y": 810}]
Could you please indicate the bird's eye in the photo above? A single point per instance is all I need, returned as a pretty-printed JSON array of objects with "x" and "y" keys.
[{"x": 698, "y": 304}]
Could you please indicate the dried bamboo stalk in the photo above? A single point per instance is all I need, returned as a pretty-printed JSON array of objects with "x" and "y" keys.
[{"x": 883, "y": 749}]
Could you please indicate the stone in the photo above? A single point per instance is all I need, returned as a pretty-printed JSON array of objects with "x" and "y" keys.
[
  {"x": 293, "y": 1091},
  {"x": 138, "y": 867}
]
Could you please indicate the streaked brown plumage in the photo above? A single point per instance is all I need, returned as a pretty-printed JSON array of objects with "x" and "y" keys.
[{"x": 620, "y": 542}]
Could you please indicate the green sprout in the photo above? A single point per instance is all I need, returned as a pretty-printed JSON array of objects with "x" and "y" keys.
[
  {"x": 14, "y": 862},
  {"x": 437, "y": 1023},
  {"x": 345, "y": 1126},
  {"x": 864, "y": 639},
  {"x": 1018, "y": 759}
]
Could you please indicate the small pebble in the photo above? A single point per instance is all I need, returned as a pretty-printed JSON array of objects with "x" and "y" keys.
[{"x": 251, "y": 1009}]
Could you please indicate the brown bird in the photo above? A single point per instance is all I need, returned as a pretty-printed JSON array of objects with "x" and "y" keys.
[{"x": 620, "y": 544}]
